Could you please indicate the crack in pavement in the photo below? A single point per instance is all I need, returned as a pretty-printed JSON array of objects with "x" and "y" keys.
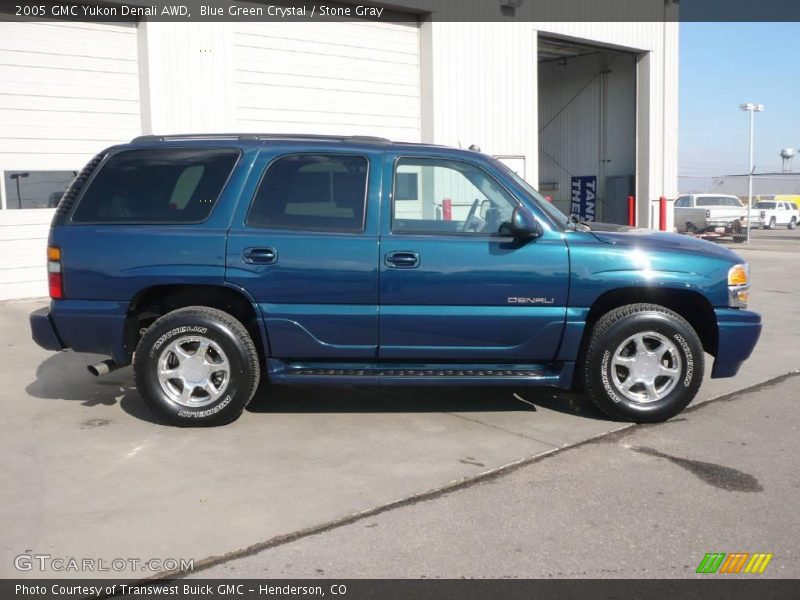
[
  {"x": 446, "y": 489},
  {"x": 503, "y": 429}
]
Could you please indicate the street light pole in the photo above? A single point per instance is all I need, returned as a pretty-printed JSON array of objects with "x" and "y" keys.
[
  {"x": 752, "y": 109},
  {"x": 750, "y": 178},
  {"x": 19, "y": 176}
]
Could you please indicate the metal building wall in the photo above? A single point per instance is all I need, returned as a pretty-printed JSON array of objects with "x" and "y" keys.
[
  {"x": 484, "y": 91},
  {"x": 68, "y": 90}
]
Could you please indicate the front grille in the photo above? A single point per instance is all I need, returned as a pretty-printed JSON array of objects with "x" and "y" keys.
[{"x": 73, "y": 191}]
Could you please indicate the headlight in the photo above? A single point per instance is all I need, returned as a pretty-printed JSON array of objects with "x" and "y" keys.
[{"x": 738, "y": 286}]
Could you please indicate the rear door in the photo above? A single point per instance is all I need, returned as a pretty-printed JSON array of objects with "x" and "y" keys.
[
  {"x": 306, "y": 250},
  {"x": 783, "y": 213},
  {"x": 452, "y": 287}
]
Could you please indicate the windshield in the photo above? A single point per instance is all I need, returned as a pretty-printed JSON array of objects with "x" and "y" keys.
[
  {"x": 552, "y": 212},
  {"x": 766, "y": 205}
]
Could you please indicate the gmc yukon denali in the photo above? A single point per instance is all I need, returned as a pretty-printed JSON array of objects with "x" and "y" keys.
[{"x": 213, "y": 262}]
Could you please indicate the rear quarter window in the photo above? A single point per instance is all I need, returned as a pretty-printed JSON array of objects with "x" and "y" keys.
[
  {"x": 718, "y": 201},
  {"x": 162, "y": 185}
]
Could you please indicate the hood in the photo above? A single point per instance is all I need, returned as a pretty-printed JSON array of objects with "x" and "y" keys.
[{"x": 612, "y": 233}]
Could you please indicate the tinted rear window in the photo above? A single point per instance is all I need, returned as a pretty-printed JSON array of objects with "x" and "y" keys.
[
  {"x": 767, "y": 205},
  {"x": 165, "y": 185},
  {"x": 313, "y": 192}
]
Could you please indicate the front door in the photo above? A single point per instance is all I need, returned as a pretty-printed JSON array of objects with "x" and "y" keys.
[
  {"x": 307, "y": 251},
  {"x": 453, "y": 285}
]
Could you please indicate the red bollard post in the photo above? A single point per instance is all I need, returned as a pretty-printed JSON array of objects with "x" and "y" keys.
[
  {"x": 447, "y": 209},
  {"x": 662, "y": 213},
  {"x": 631, "y": 211}
]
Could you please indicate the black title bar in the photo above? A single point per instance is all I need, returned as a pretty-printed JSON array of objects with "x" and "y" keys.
[{"x": 508, "y": 11}]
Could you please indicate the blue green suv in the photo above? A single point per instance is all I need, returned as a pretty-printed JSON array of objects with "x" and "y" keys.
[{"x": 214, "y": 262}]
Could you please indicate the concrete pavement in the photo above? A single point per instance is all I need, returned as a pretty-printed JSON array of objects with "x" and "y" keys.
[
  {"x": 646, "y": 502},
  {"x": 87, "y": 471}
]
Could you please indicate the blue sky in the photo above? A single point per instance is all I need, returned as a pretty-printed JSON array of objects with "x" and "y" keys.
[{"x": 723, "y": 65}]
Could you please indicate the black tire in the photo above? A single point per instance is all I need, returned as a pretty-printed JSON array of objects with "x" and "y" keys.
[
  {"x": 793, "y": 223},
  {"x": 222, "y": 330},
  {"x": 772, "y": 223},
  {"x": 611, "y": 331}
]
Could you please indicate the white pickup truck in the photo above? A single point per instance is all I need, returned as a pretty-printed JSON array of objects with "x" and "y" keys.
[
  {"x": 710, "y": 213},
  {"x": 770, "y": 212}
]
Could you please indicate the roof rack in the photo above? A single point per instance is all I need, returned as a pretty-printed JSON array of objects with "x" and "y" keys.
[{"x": 144, "y": 139}]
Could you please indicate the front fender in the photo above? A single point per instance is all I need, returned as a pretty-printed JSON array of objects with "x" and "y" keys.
[{"x": 597, "y": 268}]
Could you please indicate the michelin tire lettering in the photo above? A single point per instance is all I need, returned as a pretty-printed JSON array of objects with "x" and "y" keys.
[
  {"x": 687, "y": 351},
  {"x": 173, "y": 332}
]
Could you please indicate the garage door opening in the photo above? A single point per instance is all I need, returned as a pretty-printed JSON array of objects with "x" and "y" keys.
[{"x": 587, "y": 128}]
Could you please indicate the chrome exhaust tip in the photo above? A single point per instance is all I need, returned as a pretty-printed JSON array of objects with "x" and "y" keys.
[{"x": 103, "y": 368}]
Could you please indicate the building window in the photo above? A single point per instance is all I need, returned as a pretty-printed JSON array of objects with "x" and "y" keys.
[
  {"x": 35, "y": 189},
  {"x": 312, "y": 192}
]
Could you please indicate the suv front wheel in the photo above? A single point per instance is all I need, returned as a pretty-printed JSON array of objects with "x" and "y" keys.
[
  {"x": 644, "y": 363},
  {"x": 197, "y": 366}
]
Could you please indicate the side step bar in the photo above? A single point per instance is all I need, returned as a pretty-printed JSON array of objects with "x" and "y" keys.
[{"x": 283, "y": 372}]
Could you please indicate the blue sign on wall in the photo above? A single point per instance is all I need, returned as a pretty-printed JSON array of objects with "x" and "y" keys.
[{"x": 584, "y": 197}]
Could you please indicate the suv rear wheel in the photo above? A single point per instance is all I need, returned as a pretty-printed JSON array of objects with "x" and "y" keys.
[
  {"x": 197, "y": 366},
  {"x": 793, "y": 223},
  {"x": 644, "y": 363}
]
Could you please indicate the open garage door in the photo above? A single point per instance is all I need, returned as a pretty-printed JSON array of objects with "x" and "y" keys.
[
  {"x": 68, "y": 90},
  {"x": 348, "y": 78},
  {"x": 587, "y": 128}
]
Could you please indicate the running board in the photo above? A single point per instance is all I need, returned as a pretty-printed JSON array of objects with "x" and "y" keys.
[{"x": 301, "y": 372}]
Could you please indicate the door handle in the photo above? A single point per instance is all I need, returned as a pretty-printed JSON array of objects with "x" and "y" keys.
[
  {"x": 260, "y": 256},
  {"x": 402, "y": 260}
]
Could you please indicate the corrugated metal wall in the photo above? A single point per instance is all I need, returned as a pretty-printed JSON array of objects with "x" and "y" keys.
[
  {"x": 343, "y": 78},
  {"x": 69, "y": 89},
  {"x": 486, "y": 92},
  {"x": 484, "y": 89},
  {"x": 587, "y": 122}
]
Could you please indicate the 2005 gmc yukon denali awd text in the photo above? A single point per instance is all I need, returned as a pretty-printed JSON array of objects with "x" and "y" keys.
[{"x": 214, "y": 262}]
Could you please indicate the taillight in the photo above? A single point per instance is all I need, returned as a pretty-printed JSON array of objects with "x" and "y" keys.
[
  {"x": 708, "y": 214},
  {"x": 55, "y": 277}
]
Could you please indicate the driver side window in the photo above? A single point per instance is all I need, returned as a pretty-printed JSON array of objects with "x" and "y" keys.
[{"x": 438, "y": 196}]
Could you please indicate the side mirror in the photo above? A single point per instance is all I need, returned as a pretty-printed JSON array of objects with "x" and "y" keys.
[{"x": 524, "y": 225}]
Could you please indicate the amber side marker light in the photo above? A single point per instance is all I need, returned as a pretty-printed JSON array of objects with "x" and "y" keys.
[
  {"x": 738, "y": 275},
  {"x": 738, "y": 286},
  {"x": 55, "y": 278}
]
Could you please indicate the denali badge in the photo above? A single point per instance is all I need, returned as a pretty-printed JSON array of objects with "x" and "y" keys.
[{"x": 531, "y": 300}]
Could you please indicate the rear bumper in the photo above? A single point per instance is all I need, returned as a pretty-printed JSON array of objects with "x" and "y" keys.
[
  {"x": 84, "y": 326},
  {"x": 738, "y": 332},
  {"x": 43, "y": 330}
]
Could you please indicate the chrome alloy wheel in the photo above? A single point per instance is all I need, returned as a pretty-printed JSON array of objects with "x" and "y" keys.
[
  {"x": 646, "y": 367},
  {"x": 193, "y": 371}
]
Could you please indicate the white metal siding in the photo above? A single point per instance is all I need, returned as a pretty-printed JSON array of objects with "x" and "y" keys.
[
  {"x": 69, "y": 89},
  {"x": 485, "y": 87},
  {"x": 328, "y": 78},
  {"x": 587, "y": 122}
]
